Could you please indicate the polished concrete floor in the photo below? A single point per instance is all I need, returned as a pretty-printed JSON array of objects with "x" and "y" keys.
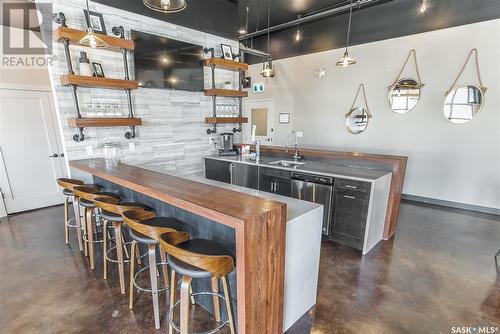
[{"x": 437, "y": 273}]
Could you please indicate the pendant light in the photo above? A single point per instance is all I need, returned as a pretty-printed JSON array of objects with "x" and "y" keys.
[
  {"x": 346, "y": 60},
  {"x": 268, "y": 71},
  {"x": 91, "y": 39},
  {"x": 166, "y": 6},
  {"x": 298, "y": 34}
]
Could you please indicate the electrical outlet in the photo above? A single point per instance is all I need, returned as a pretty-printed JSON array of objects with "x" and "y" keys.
[{"x": 131, "y": 147}]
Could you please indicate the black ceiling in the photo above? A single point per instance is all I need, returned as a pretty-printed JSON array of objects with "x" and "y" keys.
[
  {"x": 389, "y": 19},
  {"x": 386, "y": 19},
  {"x": 218, "y": 17},
  {"x": 281, "y": 10}
]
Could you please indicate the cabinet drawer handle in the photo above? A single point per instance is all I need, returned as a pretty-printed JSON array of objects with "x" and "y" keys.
[
  {"x": 350, "y": 197},
  {"x": 352, "y": 187}
]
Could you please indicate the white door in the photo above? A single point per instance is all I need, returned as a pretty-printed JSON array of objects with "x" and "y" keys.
[
  {"x": 29, "y": 166},
  {"x": 261, "y": 114}
]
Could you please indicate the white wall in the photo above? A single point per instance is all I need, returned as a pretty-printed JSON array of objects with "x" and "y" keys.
[{"x": 459, "y": 163}]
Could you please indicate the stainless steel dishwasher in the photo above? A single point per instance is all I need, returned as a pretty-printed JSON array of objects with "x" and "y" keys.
[{"x": 316, "y": 189}]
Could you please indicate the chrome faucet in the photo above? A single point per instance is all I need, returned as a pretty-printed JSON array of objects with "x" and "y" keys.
[
  {"x": 257, "y": 144},
  {"x": 296, "y": 156}
]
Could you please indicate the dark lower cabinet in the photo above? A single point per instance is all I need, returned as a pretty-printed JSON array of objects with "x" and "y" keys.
[
  {"x": 218, "y": 170},
  {"x": 275, "y": 181},
  {"x": 349, "y": 204},
  {"x": 350, "y": 210}
]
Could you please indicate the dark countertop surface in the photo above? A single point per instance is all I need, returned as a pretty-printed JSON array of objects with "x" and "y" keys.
[{"x": 335, "y": 168}]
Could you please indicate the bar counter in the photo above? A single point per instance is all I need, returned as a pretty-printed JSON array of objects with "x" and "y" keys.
[{"x": 260, "y": 234}]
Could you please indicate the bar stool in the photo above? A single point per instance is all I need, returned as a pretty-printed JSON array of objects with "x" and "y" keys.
[
  {"x": 86, "y": 195},
  {"x": 197, "y": 258},
  {"x": 111, "y": 211},
  {"x": 67, "y": 185},
  {"x": 146, "y": 229}
]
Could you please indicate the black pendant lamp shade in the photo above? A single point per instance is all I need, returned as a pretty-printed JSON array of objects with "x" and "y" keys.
[{"x": 166, "y": 6}]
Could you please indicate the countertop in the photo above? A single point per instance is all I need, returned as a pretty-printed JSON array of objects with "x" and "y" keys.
[
  {"x": 295, "y": 207},
  {"x": 314, "y": 167}
]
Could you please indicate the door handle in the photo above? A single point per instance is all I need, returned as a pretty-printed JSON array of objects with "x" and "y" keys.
[
  {"x": 62, "y": 155},
  {"x": 55, "y": 155},
  {"x": 350, "y": 197}
]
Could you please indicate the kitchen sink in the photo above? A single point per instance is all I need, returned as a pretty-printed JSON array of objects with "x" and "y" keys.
[{"x": 287, "y": 163}]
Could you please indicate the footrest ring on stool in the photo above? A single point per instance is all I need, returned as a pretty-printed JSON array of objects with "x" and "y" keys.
[
  {"x": 110, "y": 250},
  {"x": 211, "y": 331},
  {"x": 142, "y": 270},
  {"x": 69, "y": 224}
]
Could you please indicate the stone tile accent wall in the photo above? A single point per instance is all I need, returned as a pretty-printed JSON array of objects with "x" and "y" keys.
[{"x": 173, "y": 135}]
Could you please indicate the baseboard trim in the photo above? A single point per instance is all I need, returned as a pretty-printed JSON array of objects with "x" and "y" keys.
[{"x": 450, "y": 204}]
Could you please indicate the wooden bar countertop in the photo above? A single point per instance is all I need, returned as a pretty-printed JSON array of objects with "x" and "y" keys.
[{"x": 260, "y": 226}]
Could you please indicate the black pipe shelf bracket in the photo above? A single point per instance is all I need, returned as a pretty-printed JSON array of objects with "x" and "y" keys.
[
  {"x": 241, "y": 76},
  {"x": 60, "y": 19}
]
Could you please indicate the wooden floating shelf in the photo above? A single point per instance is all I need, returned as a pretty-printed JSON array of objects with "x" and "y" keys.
[
  {"x": 216, "y": 120},
  {"x": 225, "y": 92},
  {"x": 226, "y": 64},
  {"x": 87, "y": 81},
  {"x": 103, "y": 122},
  {"x": 75, "y": 35}
]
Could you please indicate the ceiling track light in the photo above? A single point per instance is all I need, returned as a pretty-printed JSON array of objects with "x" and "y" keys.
[
  {"x": 346, "y": 60},
  {"x": 166, "y": 6},
  {"x": 91, "y": 39}
]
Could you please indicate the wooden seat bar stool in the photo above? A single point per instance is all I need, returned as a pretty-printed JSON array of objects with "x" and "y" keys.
[
  {"x": 111, "y": 211},
  {"x": 197, "y": 258},
  {"x": 86, "y": 195},
  {"x": 67, "y": 185},
  {"x": 146, "y": 228}
]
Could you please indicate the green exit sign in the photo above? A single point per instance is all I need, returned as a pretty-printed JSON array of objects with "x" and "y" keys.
[{"x": 258, "y": 87}]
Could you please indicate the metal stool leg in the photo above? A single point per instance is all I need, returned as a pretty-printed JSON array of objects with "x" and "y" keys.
[
  {"x": 66, "y": 218},
  {"x": 76, "y": 210},
  {"x": 104, "y": 249},
  {"x": 154, "y": 283},
  {"x": 185, "y": 303},
  {"x": 84, "y": 223},
  {"x": 132, "y": 268},
  {"x": 172, "y": 299},
  {"x": 229, "y": 303},
  {"x": 90, "y": 235},
  {"x": 119, "y": 254}
]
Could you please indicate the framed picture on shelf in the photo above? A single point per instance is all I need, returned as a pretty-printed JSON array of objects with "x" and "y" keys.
[
  {"x": 95, "y": 21},
  {"x": 247, "y": 82},
  {"x": 98, "y": 71},
  {"x": 227, "y": 51}
]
